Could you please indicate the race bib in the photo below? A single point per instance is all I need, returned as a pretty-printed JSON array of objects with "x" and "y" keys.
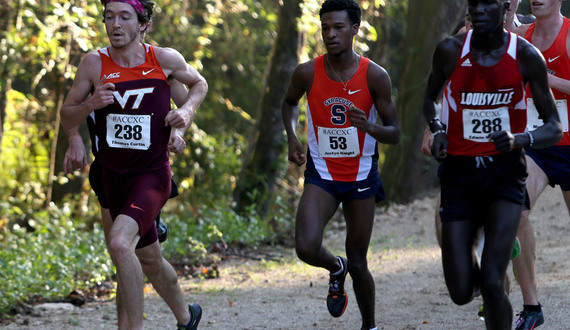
[
  {"x": 338, "y": 142},
  {"x": 128, "y": 131},
  {"x": 479, "y": 124},
  {"x": 533, "y": 122}
]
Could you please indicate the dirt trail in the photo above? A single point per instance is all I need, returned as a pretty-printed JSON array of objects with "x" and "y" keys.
[{"x": 405, "y": 262}]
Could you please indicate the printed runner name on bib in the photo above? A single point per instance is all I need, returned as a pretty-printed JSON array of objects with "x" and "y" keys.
[
  {"x": 479, "y": 124},
  {"x": 533, "y": 122},
  {"x": 128, "y": 131},
  {"x": 338, "y": 142}
]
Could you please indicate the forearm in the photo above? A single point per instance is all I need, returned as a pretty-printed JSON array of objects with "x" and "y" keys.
[
  {"x": 544, "y": 136},
  {"x": 290, "y": 115},
  {"x": 73, "y": 115},
  {"x": 429, "y": 110},
  {"x": 389, "y": 134},
  {"x": 559, "y": 84},
  {"x": 196, "y": 95},
  {"x": 73, "y": 135}
]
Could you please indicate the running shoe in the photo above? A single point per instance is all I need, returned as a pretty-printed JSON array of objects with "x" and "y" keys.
[
  {"x": 529, "y": 320},
  {"x": 162, "y": 229},
  {"x": 517, "y": 249},
  {"x": 336, "y": 298},
  {"x": 195, "y": 316}
]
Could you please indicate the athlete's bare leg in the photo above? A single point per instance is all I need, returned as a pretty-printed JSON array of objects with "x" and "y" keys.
[
  {"x": 164, "y": 280},
  {"x": 316, "y": 207},
  {"x": 500, "y": 233},
  {"x": 460, "y": 269},
  {"x": 122, "y": 320},
  {"x": 524, "y": 265},
  {"x": 359, "y": 214},
  {"x": 461, "y": 272},
  {"x": 159, "y": 272},
  {"x": 123, "y": 239}
]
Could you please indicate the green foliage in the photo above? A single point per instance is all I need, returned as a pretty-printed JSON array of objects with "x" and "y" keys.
[
  {"x": 193, "y": 230},
  {"x": 229, "y": 42},
  {"x": 25, "y": 145},
  {"x": 48, "y": 255}
]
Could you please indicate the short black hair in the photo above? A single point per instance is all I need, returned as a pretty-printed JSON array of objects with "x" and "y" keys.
[
  {"x": 352, "y": 9},
  {"x": 148, "y": 6}
]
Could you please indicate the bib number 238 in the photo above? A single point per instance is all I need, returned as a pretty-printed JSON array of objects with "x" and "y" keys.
[{"x": 128, "y": 131}]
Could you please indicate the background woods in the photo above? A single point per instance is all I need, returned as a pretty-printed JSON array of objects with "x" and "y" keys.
[{"x": 236, "y": 185}]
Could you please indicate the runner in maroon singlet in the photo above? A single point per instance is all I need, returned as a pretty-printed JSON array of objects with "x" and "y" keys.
[{"x": 130, "y": 94}]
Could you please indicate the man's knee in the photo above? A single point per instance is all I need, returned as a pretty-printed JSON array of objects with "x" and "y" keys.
[
  {"x": 306, "y": 252},
  {"x": 493, "y": 287},
  {"x": 357, "y": 267},
  {"x": 119, "y": 247},
  {"x": 461, "y": 296}
]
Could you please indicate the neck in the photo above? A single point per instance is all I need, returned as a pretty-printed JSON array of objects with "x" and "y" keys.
[
  {"x": 549, "y": 23},
  {"x": 341, "y": 61},
  {"x": 489, "y": 41},
  {"x": 130, "y": 56}
]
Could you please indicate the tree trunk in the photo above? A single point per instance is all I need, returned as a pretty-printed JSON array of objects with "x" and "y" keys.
[
  {"x": 263, "y": 164},
  {"x": 407, "y": 173}
]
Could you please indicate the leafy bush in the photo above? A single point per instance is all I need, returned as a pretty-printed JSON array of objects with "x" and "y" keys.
[{"x": 49, "y": 257}]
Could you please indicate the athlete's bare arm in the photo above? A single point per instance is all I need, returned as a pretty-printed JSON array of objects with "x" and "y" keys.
[
  {"x": 301, "y": 83},
  {"x": 179, "y": 93},
  {"x": 381, "y": 91},
  {"x": 75, "y": 155},
  {"x": 173, "y": 64},
  {"x": 78, "y": 105},
  {"x": 444, "y": 60}
]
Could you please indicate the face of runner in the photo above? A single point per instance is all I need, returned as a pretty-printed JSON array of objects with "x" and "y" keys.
[
  {"x": 122, "y": 24},
  {"x": 512, "y": 10},
  {"x": 487, "y": 15},
  {"x": 337, "y": 32}
]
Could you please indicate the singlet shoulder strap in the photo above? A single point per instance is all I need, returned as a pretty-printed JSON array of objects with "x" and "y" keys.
[{"x": 466, "y": 44}]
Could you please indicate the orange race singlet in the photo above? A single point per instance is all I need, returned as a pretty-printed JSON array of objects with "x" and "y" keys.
[
  {"x": 558, "y": 64},
  {"x": 338, "y": 151}
]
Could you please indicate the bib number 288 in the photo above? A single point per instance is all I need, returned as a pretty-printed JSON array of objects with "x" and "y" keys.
[{"x": 487, "y": 125}]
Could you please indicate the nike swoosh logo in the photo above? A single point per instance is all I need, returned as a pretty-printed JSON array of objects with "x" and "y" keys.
[
  {"x": 550, "y": 60},
  {"x": 363, "y": 189},
  {"x": 147, "y": 72},
  {"x": 136, "y": 207},
  {"x": 352, "y": 92}
]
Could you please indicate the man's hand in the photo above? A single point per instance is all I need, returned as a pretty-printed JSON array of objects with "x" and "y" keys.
[
  {"x": 103, "y": 94},
  {"x": 75, "y": 156},
  {"x": 439, "y": 146},
  {"x": 504, "y": 141},
  {"x": 179, "y": 118},
  {"x": 296, "y": 152},
  {"x": 176, "y": 142},
  {"x": 427, "y": 142},
  {"x": 358, "y": 119}
]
